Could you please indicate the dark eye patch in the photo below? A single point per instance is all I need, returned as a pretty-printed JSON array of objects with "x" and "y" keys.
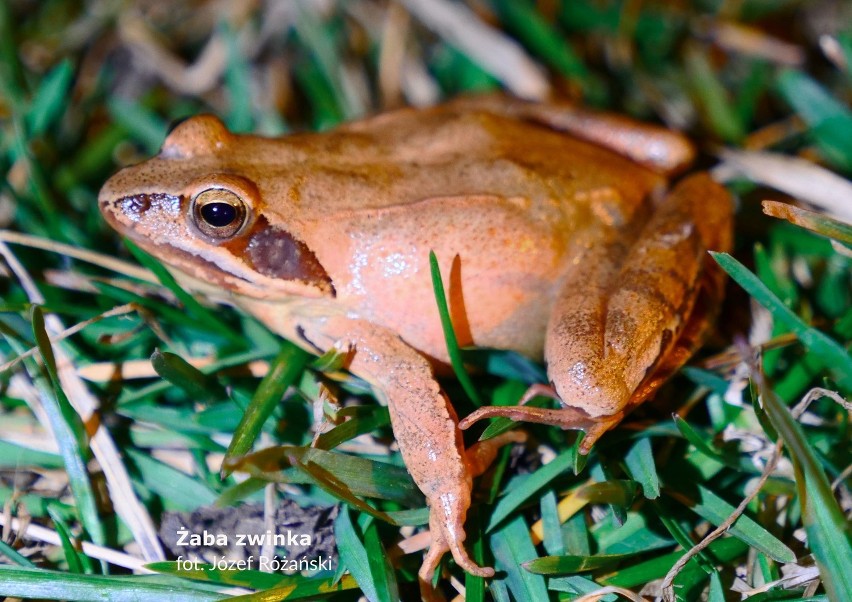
[{"x": 276, "y": 253}]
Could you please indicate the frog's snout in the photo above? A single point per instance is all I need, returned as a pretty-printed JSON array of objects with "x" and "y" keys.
[
  {"x": 138, "y": 203},
  {"x": 125, "y": 211}
]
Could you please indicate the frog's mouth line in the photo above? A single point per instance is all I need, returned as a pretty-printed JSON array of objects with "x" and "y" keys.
[
  {"x": 271, "y": 254},
  {"x": 204, "y": 273}
]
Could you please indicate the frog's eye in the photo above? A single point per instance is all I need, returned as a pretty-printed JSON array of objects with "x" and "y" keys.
[{"x": 218, "y": 213}]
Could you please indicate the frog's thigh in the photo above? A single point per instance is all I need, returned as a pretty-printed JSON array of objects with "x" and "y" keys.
[
  {"x": 658, "y": 148},
  {"x": 708, "y": 205},
  {"x": 613, "y": 326},
  {"x": 575, "y": 353}
]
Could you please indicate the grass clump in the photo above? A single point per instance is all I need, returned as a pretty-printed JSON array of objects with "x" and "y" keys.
[{"x": 89, "y": 87}]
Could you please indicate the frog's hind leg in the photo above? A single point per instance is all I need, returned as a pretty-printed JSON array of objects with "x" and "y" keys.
[
  {"x": 425, "y": 426},
  {"x": 481, "y": 454},
  {"x": 566, "y": 418},
  {"x": 478, "y": 457},
  {"x": 660, "y": 149},
  {"x": 423, "y": 421},
  {"x": 624, "y": 325},
  {"x": 575, "y": 335}
]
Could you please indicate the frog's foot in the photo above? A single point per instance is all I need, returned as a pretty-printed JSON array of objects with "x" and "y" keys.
[
  {"x": 566, "y": 418},
  {"x": 538, "y": 390},
  {"x": 447, "y": 537},
  {"x": 441, "y": 545},
  {"x": 481, "y": 454},
  {"x": 447, "y": 511}
]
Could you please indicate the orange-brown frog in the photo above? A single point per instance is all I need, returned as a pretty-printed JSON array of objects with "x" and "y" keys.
[{"x": 551, "y": 223}]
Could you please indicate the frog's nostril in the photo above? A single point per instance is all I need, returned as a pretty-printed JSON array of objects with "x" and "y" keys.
[{"x": 135, "y": 204}]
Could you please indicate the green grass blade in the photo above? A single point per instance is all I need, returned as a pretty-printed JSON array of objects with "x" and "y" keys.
[
  {"x": 833, "y": 355},
  {"x": 20, "y": 582},
  {"x": 825, "y": 523},
  {"x": 713, "y": 508},
  {"x": 279, "y": 587},
  {"x": 327, "y": 113},
  {"x": 365, "y": 477},
  {"x": 238, "y": 83},
  {"x": 179, "y": 489},
  {"x": 530, "y": 26},
  {"x": 512, "y": 547},
  {"x": 475, "y": 586},
  {"x": 449, "y": 333},
  {"x": 809, "y": 98},
  {"x": 642, "y": 469},
  {"x": 530, "y": 486},
  {"x": 578, "y": 585},
  {"x": 384, "y": 577},
  {"x": 830, "y": 120},
  {"x": 67, "y": 428},
  {"x": 74, "y": 564},
  {"x": 311, "y": 589},
  {"x": 617, "y": 492},
  {"x": 719, "y": 111},
  {"x": 562, "y": 565},
  {"x": 554, "y": 541},
  {"x": 353, "y": 554},
  {"x": 375, "y": 418},
  {"x": 51, "y": 99},
  {"x": 717, "y": 593},
  {"x": 706, "y": 378},
  {"x": 143, "y": 124},
  {"x": 197, "y": 385},
  {"x": 682, "y": 537},
  {"x": 320, "y": 40},
  {"x": 724, "y": 550},
  {"x": 68, "y": 413},
  {"x": 813, "y": 221},
  {"x": 330, "y": 483},
  {"x": 283, "y": 372},
  {"x": 15, "y": 556},
  {"x": 695, "y": 438}
]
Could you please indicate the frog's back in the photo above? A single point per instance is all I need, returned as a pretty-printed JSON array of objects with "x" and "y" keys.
[
  {"x": 500, "y": 201},
  {"x": 410, "y": 155}
]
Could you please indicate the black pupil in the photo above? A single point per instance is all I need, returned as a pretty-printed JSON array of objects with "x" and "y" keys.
[{"x": 219, "y": 215}]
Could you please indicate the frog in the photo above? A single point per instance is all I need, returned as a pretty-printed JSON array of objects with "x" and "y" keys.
[{"x": 566, "y": 235}]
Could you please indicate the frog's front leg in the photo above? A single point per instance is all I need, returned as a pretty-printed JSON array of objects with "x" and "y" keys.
[
  {"x": 424, "y": 424},
  {"x": 635, "y": 315}
]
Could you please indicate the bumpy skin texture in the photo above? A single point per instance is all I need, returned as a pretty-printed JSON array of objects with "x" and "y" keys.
[{"x": 550, "y": 245}]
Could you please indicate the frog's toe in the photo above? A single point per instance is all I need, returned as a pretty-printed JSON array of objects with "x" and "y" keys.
[
  {"x": 431, "y": 560},
  {"x": 446, "y": 539},
  {"x": 565, "y": 418},
  {"x": 479, "y": 571},
  {"x": 482, "y": 453},
  {"x": 594, "y": 432},
  {"x": 538, "y": 390},
  {"x": 466, "y": 562}
]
